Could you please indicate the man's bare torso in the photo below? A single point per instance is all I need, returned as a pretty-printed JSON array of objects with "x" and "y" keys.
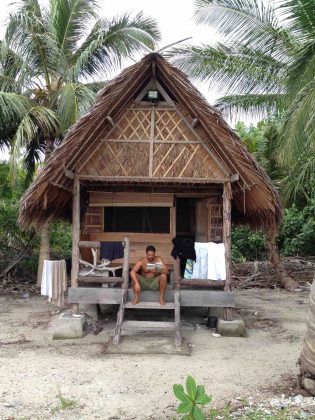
[{"x": 149, "y": 274}]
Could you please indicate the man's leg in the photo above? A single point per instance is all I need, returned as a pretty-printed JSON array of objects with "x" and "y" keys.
[
  {"x": 136, "y": 287},
  {"x": 163, "y": 285}
]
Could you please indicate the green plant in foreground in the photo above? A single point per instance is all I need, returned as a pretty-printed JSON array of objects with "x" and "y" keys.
[
  {"x": 64, "y": 404},
  {"x": 189, "y": 401}
]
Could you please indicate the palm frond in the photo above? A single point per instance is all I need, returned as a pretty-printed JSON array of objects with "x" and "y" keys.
[
  {"x": 27, "y": 35},
  {"x": 298, "y": 131},
  {"x": 260, "y": 106},
  {"x": 37, "y": 119},
  {"x": 251, "y": 22},
  {"x": 299, "y": 17},
  {"x": 110, "y": 41},
  {"x": 70, "y": 20},
  {"x": 72, "y": 100},
  {"x": 234, "y": 69}
]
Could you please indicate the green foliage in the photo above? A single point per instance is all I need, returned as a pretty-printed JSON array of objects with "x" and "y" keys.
[
  {"x": 60, "y": 240},
  {"x": 264, "y": 64},
  {"x": 191, "y": 399},
  {"x": 297, "y": 235},
  {"x": 248, "y": 245},
  {"x": 13, "y": 240},
  {"x": 64, "y": 404}
]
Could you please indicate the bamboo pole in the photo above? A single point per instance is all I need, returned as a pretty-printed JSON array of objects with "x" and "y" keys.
[
  {"x": 125, "y": 270},
  {"x": 227, "y": 196},
  {"x": 75, "y": 236}
]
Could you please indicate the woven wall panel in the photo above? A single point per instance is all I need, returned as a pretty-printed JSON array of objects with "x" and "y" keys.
[
  {"x": 170, "y": 126},
  {"x": 134, "y": 125},
  {"x": 184, "y": 161},
  {"x": 119, "y": 159}
]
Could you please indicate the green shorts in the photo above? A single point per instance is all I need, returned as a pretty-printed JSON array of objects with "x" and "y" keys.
[{"x": 149, "y": 284}]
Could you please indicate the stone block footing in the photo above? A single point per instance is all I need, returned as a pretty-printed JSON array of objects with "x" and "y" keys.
[
  {"x": 69, "y": 326},
  {"x": 235, "y": 328}
]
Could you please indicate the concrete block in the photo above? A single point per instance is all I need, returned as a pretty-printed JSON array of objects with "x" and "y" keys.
[
  {"x": 309, "y": 385},
  {"x": 69, "y": 326},
  {"x": 235, "y": 328}
]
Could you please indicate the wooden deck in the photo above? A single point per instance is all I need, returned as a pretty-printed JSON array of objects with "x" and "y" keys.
[{"x": 194, "y": 298}]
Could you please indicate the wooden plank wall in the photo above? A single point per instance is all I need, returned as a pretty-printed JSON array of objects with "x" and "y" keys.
[{"x": 138, "y": 243}]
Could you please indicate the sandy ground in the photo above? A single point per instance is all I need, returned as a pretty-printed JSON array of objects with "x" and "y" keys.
[{"x": 34, "y": 369}]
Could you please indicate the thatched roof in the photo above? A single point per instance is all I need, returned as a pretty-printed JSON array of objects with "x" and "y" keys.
[{"x": 255, "y": 200}]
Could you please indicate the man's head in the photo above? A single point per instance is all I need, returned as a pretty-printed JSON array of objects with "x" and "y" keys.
[{"x": 150, "y": 251}]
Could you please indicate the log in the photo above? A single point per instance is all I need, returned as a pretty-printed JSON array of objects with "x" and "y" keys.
[
  {"x": 99, "y": 279},
  {"x": 206, "y": 284}
]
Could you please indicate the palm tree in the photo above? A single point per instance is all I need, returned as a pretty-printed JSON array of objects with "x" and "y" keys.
[
  {"x": 48, "y": 60},
  {"x": 265, "y": 65},
  {"x": 307, "y": 357}
]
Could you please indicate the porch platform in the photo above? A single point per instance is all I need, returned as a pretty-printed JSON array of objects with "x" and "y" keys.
[{"x": 191, "y": 297}]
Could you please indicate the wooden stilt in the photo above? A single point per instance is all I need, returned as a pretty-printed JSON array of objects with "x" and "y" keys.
[
  {"x": 75, "y": 237},
  {"x": 120, "y": 317},
  {"x": 227, "y": 196},
  {"x": 178, "y": 335},
  {"x": 125, "y": 270}
]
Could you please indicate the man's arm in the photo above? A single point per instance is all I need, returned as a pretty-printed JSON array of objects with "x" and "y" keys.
[
  {"x": 164, "y": 268},
  {"x": 136, "y": 267}
]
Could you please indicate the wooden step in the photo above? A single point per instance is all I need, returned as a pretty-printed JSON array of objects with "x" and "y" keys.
[
  {"x": 129, "y": 327},
  {"x": 150, "y": 305}
]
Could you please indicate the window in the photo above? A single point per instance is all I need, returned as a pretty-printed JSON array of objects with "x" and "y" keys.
[{"x": 137, "y": 219}]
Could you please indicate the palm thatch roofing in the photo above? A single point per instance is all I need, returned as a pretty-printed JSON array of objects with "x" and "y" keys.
[{"x": 255, "y": 200}]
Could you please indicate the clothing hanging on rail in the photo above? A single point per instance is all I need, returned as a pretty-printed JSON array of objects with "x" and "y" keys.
[
  {"x": 54, "y": 281},
  {"x": 183, "y": 249},
  {"x": 111, "y": 250},
  {"x": 210, "y": 261}
]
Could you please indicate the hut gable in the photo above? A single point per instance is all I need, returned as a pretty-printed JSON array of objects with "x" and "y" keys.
[
  {"x": 152, "y": 142},
  {"x": 128, "y": 138}
]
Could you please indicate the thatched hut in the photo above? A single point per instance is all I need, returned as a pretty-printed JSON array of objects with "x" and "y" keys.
[{"x": 151, "y": 141}]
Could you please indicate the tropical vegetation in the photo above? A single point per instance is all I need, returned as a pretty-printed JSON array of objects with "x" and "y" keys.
[
  {"x": 53, "y": 60},
  {"x": 265, "y": 65}
]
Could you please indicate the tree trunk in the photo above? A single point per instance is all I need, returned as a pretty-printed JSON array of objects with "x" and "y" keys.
[
  {"x": 272, "y": 245},
  {"x": 307, "y": 357},
  {"x": 44, "y": 250}
]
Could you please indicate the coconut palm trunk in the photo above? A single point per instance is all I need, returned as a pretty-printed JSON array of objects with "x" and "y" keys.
[
  {"x": 274, "y": 256},
  {"x": 307, "y": 357},
  {"x": 44, "y": 250}
]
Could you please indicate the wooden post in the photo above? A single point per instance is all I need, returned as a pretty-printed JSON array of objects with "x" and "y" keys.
[
  {"x": 75, "y": 236},
  {"x": 227, "y": 196},
  {"x": 178, "y": 335},
  {"x": 177, "y": 273},
  {"x": 125, "y": 270}
]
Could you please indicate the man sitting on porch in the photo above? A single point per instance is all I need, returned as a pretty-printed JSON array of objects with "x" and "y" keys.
[{"x": 153, "y": 275}]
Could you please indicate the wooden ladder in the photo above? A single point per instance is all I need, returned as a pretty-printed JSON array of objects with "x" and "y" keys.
[{"x": 129, "y": 327}]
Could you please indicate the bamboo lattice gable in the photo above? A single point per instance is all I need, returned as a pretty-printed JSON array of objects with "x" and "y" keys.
[{"x": 262, "y": 205}]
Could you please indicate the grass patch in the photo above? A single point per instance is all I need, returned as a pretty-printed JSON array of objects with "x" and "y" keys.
[{"x": 64, "y": 404}]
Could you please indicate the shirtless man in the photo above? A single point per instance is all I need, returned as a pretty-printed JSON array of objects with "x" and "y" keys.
[{"x": 149, "y": 279}]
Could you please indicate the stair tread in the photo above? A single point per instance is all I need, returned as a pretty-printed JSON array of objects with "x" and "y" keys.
[
  {"x": 150, "y": 305},
  {"x": 148, "y": 326}
]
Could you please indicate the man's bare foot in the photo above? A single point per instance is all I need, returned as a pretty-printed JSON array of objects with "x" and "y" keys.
[
  {"x": 136, "y": 300},
  {"x": 162, "y": 301}
]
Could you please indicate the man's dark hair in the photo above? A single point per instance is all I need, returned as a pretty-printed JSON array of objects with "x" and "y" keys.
[{"x": 150, "y": 248}]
